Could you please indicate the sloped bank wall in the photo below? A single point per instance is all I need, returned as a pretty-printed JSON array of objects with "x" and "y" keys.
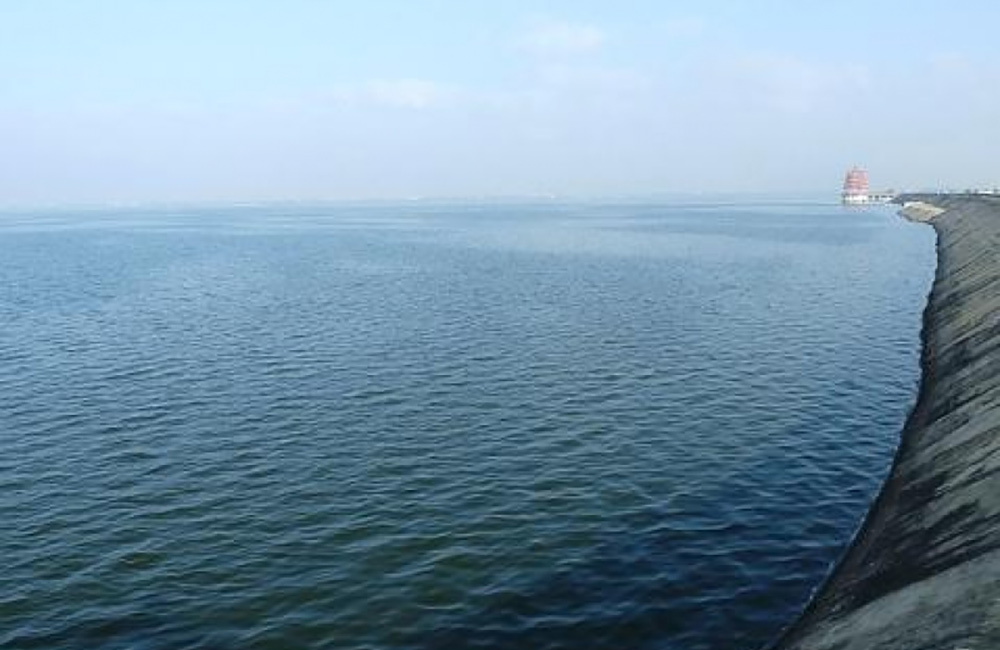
[{"x": 923, "y": 572}]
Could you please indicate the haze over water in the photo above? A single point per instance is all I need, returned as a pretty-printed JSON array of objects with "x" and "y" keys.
[{"x": 430, "y": 426}]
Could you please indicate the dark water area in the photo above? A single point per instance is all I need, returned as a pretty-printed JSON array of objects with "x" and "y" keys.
[{"x": 427, "y": 427}]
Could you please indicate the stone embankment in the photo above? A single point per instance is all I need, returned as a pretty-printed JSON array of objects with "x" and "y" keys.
[{"x": 923, "y": 572}]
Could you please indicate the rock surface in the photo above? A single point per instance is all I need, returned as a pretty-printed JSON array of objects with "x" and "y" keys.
[{"x": 923, "y": 572}]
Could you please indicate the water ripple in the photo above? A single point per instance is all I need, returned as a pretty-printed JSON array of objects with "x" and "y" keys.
[{"x": 580, "y": 426}]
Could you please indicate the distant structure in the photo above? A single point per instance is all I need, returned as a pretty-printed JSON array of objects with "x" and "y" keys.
[
  {"x": 855, "y": 187},
  {"x": 857, "y": 192}
]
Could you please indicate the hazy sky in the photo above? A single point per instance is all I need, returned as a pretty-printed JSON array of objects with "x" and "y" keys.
[{"x": 156, "y": 100}]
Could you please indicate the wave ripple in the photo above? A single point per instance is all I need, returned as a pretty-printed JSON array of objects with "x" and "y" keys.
[{"x": 559, "y": 426}]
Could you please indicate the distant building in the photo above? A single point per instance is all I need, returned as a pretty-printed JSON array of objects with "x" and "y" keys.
[
  {"x": 857, "y": 192},
  {"x": 855, "y": 187}
]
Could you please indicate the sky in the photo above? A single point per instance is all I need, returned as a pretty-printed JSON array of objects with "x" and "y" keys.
[{"x": 105, "y": 101}]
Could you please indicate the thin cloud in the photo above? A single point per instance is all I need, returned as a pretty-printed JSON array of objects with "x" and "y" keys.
[
  {"x": 958, "y": 68},
  {"x": 787, "y": 83},
  {"x": 562, "y": 38},
  {"x": 405, "y": 93}
]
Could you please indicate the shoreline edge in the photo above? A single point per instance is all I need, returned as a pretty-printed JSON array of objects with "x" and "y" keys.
[{"x": 923, "y": 570}]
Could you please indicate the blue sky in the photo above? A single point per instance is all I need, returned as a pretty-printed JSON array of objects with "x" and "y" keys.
[{"x": 141, "y": 100}]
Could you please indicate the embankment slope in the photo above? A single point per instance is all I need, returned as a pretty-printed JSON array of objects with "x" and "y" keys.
[{"x": 923, "y": 572}]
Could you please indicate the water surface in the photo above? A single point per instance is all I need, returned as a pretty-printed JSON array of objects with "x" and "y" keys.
[{"x": 437, "y": 426}]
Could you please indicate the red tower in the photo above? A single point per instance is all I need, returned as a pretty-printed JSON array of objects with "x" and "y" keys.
[{"x": 855, "y": 186}]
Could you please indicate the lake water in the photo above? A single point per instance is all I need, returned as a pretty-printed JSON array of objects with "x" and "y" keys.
[{"x": 443, "y": 426}]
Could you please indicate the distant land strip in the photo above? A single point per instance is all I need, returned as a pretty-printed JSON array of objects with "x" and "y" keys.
[{"x": 923, "y": 571}]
